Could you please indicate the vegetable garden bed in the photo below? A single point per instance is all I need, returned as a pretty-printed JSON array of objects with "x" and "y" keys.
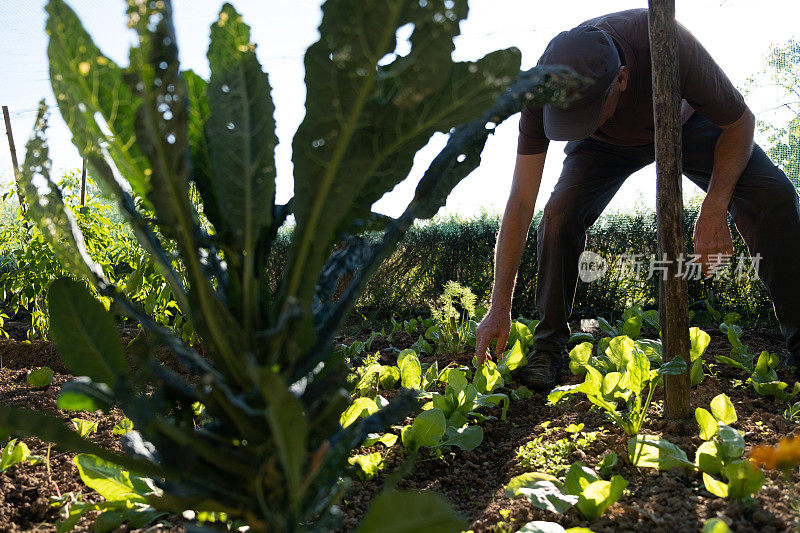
[
  {"x": 473, "y": 480},
  {"x": 674, "y": 500}
]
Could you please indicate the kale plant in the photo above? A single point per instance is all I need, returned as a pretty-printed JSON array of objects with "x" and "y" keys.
[{"x": 271, "y": 451}]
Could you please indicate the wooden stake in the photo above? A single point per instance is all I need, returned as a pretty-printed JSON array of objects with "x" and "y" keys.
[
  {"x": 83, "y": 184},
  {"x": 673, "y": 298},
  {"x": 14, "y": 163}
]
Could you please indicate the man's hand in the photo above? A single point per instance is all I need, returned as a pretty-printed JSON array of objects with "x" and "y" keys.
[
  {"x": 495, "y": 325},
  {"x": 712, "y": 238}
]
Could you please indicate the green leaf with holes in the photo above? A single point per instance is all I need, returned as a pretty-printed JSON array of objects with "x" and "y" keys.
[
  {"x": 241, "y": 131},
  {"x": 368, "y": 112},
  {"x": 89, "y": 85}
]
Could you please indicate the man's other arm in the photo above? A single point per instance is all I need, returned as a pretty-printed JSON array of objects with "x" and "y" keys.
[
  {"x": 508, "y": 251},
  {"x": 709, "y": 91},
  {"x": 731, "y": 154}
]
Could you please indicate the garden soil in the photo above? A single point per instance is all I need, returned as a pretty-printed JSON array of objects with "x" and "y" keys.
[
  {"x": 472, "y": 480},
  {"x": 656, "y": 501}
]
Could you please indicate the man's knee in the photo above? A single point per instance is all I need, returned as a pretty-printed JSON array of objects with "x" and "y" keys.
[
  {"x": 773, "y": 194},
  {"x": 776, "y": 183}
]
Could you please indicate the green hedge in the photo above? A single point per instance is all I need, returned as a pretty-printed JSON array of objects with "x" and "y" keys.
[{"x": 462, "y": 249}]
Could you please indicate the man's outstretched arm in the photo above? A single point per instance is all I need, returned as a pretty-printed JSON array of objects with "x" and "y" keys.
[
  {"x": 508, "y": 252},
  {"x": 734, "y": 146}
]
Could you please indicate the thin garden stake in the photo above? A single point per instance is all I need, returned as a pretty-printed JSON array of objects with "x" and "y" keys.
[
  {"x": 673, "y": 298},
  {"x": 83, "y": 184},
  {"x": 13, "y": 157}
]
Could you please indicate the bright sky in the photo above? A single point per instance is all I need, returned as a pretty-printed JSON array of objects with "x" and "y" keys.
[{"x": 738, "y": 34}]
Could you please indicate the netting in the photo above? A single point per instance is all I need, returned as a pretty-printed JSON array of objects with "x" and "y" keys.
[{"x": 778, "y": 86}]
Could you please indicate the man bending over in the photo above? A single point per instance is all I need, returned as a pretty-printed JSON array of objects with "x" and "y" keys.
[{"x": 610, "y": 130}]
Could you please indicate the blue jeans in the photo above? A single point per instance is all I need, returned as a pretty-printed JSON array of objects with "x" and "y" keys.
[{"x": 764, "y": 208}]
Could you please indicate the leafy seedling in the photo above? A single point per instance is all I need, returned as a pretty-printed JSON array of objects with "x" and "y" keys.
[
  {"x": 368, "y": 465},
  {"x": 740, "y": 356},
  {"x": 522, "y": 333},
  {"x": 427, "y": 429},
  {"x": 792, "y": 413},
  {"x": 552, "y": 456},
  {"x": 84, "y": 427},
  {"x": 41, "y": 378},
  {"x": 607, "y": 464},
  {"x": 125, "y": 494},
  {"x": 453, "y": 329},
  {"x": 699, "y": 342},
  {"x": 16, "y": 452},
  {"x": 410, "y": 370},
  {"x": 123, "y": 427},
  {"x": 487, "y": 378},
  {"x": 720, "y": 454},
  {"x": 582, "y": 488},
  {"x": 521, "y": 393},
  {"x": 397, "y": 327},
  {"x": 512, "y": 360},
  {"x": 764, "y": 379},
  {"x": 629, "y": 375}
]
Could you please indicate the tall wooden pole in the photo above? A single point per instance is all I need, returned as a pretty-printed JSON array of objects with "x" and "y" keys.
[
  {"x": 14, "y": 163},
  {"x": 673, "y": 301}
]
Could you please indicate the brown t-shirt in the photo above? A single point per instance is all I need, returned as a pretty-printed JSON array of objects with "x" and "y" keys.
[{"x": 704, "y": 87}]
